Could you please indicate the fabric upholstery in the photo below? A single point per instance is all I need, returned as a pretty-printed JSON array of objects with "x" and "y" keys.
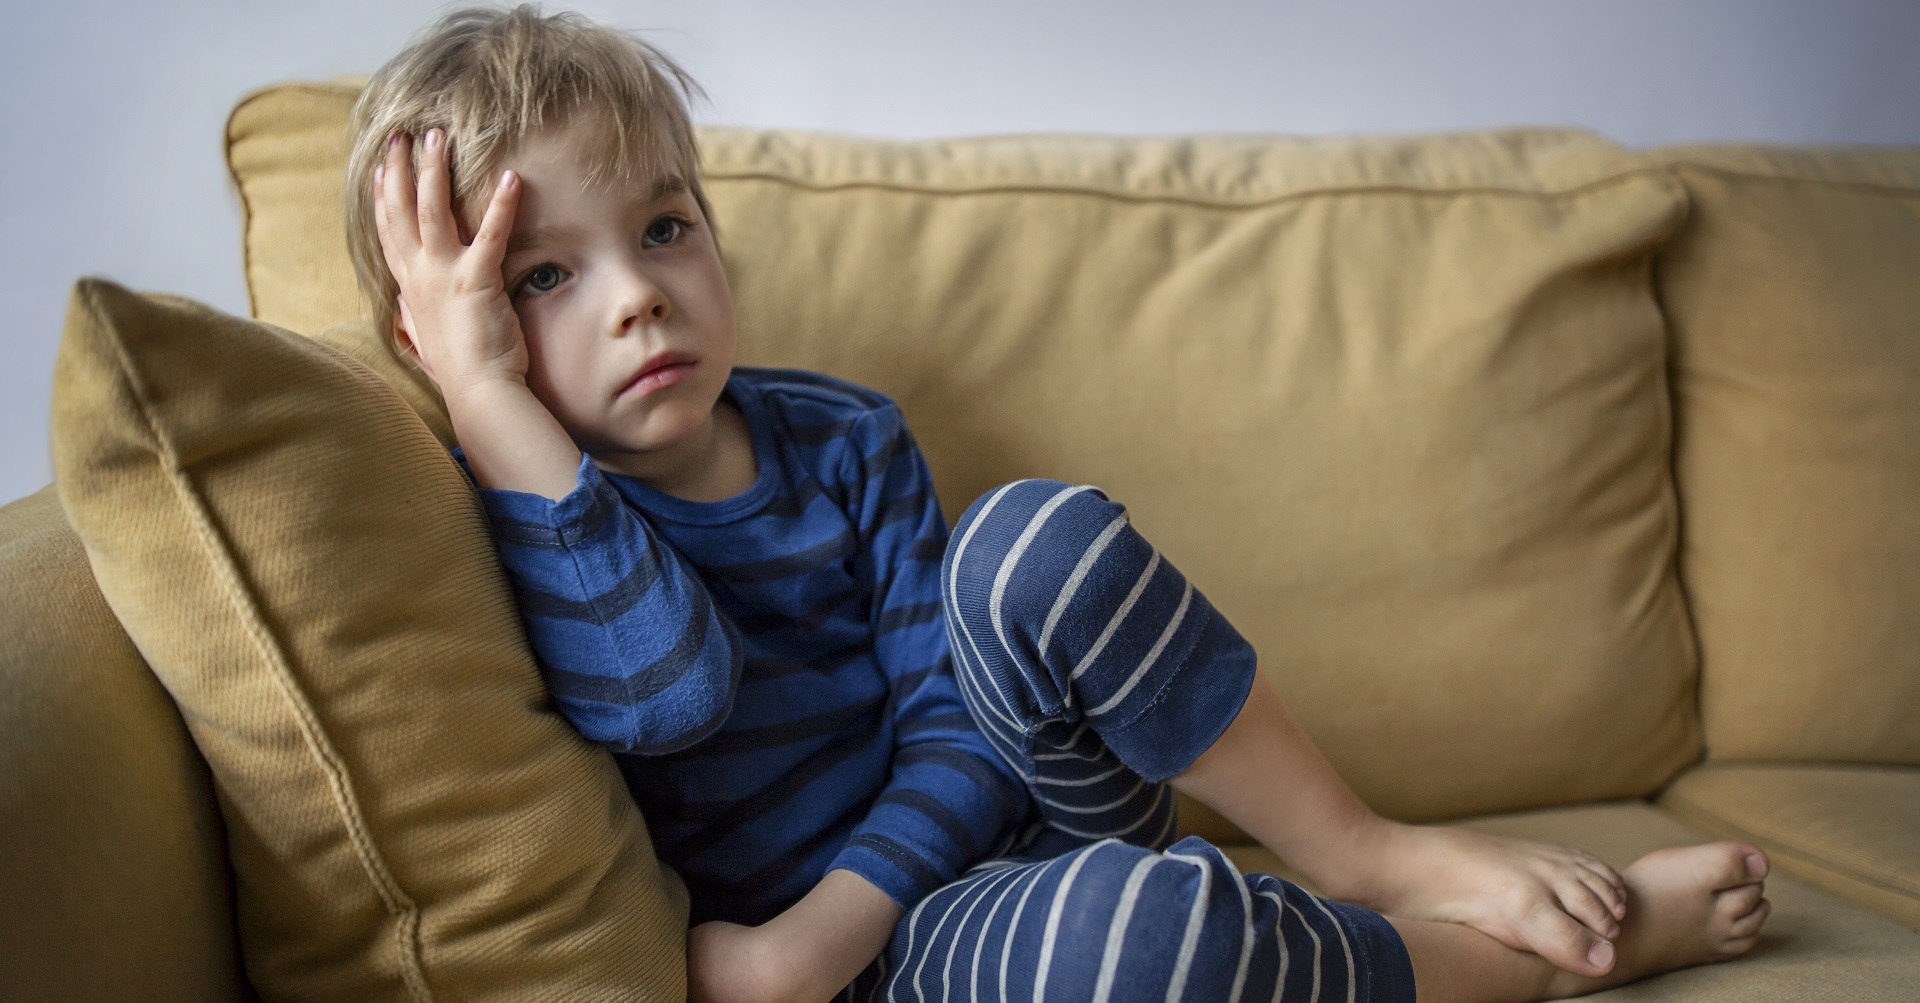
[
  {"x": 1852, "y": 830},
  {"x": 110, "y": 845},
  {"x": 287, "y": 151},
  {"x": 1796, "y": 367},
  {"x": 1813, "y": 948},
  {"x": 1397, "y": 405},
  {"x": 307, "y": 573}
]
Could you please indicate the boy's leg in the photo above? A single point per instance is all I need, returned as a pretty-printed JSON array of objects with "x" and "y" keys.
[
  {"x": 1113, "y": 921},
  {"x": 1073, "y": 667},
  {"x": 1071, "y": 639},
  {"x": 1065, "y": 622}
]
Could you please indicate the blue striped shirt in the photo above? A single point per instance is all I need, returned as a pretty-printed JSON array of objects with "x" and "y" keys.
[{"x": 771, "y": 671}]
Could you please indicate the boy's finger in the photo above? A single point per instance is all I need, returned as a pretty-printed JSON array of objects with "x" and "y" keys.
[
  {"x": 396, "y": 194},
  {"x": 490, "y": 241},
  {"x": 381, "y": 226},
  {"x": 435, "y": 204}
]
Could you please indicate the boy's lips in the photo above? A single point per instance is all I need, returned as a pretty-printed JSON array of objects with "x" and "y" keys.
[{"x": 661, "y": 370}]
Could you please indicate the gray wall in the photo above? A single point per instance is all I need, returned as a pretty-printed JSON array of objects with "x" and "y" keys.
[{"x": 112, "y": 143}]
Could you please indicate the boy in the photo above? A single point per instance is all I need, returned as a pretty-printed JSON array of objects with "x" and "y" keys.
[{"x": 881, "y": 756}]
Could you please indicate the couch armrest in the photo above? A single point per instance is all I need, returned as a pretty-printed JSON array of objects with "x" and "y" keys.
[{"x": 113, "y": 867}]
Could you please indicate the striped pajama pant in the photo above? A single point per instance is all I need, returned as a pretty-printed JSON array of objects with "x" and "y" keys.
[{"x": 1098, "y": 671}]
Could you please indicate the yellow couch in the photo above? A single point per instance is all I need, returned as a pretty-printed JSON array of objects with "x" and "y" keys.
[{"x": 1566, "y": 491}]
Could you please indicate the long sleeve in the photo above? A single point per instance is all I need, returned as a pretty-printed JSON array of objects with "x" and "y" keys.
[
  {"x": 637, "y": 656},
  {"x": 950, "y": 799}
]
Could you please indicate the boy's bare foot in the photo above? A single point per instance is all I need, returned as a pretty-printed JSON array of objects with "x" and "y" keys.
[
  {"x": 1563, "y": 904},
  {"x": 1686, "y": 905}
]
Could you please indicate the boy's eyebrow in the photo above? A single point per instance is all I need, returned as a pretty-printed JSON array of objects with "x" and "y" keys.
[{"x": 662, "y": 186}]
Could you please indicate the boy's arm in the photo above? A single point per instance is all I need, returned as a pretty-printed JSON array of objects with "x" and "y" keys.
[
  {"x": 636, "y": 654},
  {"x": 951, "y": 799},
  {"x": 512, "y": 442},
  {"x": 634, "y": 651}
]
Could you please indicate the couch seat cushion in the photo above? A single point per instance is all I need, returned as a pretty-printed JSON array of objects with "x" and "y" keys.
[
  {"x": 1852, "y": 830},
  {"x": 1814, "y": 946}
]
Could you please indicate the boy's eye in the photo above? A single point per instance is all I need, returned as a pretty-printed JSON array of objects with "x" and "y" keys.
[
  {"x": 532, "y": 281},
  {"x": 664, "y": 230}
]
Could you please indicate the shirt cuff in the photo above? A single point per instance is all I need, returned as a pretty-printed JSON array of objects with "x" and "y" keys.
[
  {"x": 905, "y": 879},
  {"x": 591, "y": 499}
]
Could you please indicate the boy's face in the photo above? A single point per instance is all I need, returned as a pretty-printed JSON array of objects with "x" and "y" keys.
[{"x": 605, "y": 282}]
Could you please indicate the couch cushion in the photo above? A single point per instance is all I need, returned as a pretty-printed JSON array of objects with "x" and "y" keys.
[
  {"x": 113, "y": 875},
  {"x": 1813, "y": 947},
  {"x": 1398, "y": 405},
  {"x": 1796, "y": 368},
  {"x": 287, "y": 151},
  {"x": 308, "y": 574},
  {"x": 1852, "y": 830}
]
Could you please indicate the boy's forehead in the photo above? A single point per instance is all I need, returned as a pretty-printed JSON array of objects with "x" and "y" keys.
[
  {"x": 572, "y": 154},
  {"x": 529, "y": 232}
]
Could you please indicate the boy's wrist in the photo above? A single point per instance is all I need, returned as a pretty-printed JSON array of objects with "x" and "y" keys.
[
  {"x": 480, "y": 386},
  {"x": 512, "y": 441},
  {"x": 842, "y": 924}
]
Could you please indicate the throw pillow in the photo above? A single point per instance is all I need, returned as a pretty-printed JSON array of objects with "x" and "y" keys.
[{"x": 308, "y": 574}]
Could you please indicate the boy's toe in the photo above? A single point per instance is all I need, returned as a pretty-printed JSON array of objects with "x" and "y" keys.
[
  {"x": 1749, "y": 924},
  {"x": 1720, "y": 865},
  {"x": 1584, "y": 905},
  {"x": 1556, "y": 936},
  {"x": 1738, "y": 901}
]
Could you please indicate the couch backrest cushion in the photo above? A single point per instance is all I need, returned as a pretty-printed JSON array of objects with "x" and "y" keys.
[
  {"x": 1397, "y": 405},
  {"x": 1794, "y": 297},
  {"x": 307, "y": 572},
  {"x": 113, "y": 872}
]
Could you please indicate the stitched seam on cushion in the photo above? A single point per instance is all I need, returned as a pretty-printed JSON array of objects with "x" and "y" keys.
[
  {"x": 1826, "y": 859},
  {"x": 396, "y": 900},
  {"x": 246, "y": 204},
  {"x": 1799, "y": 179},
  {"x": 354, "y": 83},
  {"x": 1067, "y": 189}
]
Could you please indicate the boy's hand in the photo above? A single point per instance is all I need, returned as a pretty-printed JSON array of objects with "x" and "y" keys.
[
  {"x": 730, "y": 963},
  {"x": 807, "y": 954},
  {"x": 459, "y": 323}
]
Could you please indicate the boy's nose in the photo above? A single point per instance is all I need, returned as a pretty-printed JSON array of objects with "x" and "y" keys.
[{"x": 642, "y": 300}]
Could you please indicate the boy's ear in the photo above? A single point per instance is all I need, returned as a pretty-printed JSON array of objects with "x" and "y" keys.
[{"x": 403, "y": 334}]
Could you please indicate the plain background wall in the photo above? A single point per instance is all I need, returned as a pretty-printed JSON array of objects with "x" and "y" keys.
[{"x": 112, "y": 137}]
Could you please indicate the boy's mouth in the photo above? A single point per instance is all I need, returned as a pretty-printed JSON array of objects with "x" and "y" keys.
[{"x": 661, "y": 370}]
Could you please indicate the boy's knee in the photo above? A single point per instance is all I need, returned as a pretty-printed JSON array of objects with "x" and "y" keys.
[
  {"x": 1158, "y": 894},
  {"x": 1044, "y": 526},
  {"x": 1017, "y": 504}
]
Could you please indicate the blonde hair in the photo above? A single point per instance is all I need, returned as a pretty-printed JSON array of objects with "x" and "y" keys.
[{"x": 490, "y": 77}]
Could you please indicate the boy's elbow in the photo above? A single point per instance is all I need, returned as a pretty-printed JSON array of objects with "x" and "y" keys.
[{"x": 682, "y": 715}]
